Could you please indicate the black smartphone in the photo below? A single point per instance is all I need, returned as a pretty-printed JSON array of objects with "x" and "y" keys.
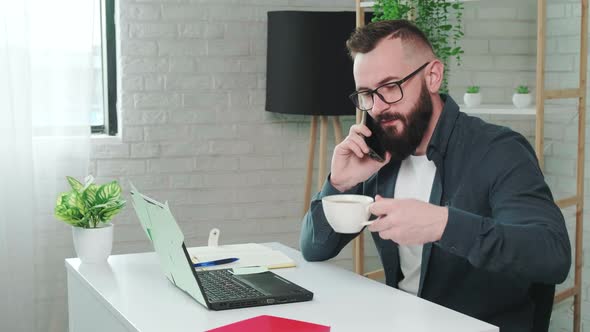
[{"x": 376, "y": 149}]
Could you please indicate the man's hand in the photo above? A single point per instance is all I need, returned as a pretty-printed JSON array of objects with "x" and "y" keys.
[
  {"x": 408, "y": 221},
  {"x": 351, "y": 164}
]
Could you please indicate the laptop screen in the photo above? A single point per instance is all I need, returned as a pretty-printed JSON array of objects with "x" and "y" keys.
[{"x": 168, "y": 241}]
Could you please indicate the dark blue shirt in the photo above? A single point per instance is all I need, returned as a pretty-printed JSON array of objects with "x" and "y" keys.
[{"x": 505, "y": 245}]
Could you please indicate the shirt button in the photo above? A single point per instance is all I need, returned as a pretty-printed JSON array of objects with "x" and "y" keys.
[{"x": 453, "y": 249}]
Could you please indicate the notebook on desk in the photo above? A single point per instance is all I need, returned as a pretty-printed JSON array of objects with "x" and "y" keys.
[
  {"x": 248, "y": 254},
  {"x": 217, "y": 289}
]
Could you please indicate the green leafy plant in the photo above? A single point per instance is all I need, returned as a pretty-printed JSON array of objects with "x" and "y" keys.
[
  {"x": 473, "y": 89},
  {"x": 89, "y": 204},
  {"x": 522, "y": 89},
  {"x": 433, "y": 17}
]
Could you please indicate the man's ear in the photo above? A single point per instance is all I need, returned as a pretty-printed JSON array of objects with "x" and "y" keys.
[{"x": 434, "y": 75}]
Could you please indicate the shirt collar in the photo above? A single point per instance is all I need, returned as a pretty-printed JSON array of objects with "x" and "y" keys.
[{"x": 437, "y": 147}]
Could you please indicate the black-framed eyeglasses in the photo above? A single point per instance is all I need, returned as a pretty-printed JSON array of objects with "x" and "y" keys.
[{"x": 390, "y": 92}]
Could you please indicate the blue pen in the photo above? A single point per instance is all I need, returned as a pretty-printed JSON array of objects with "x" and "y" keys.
[{"x": 216, "y": 262}]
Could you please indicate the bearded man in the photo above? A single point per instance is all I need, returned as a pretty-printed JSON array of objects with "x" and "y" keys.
[{"x": 464, "y": 217}]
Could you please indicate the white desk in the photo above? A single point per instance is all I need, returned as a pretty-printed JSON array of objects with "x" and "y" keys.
[{"x": 132, "y": 294}]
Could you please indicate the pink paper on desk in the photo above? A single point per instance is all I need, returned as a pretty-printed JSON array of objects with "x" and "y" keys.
[{"x": 267, "y": 323}]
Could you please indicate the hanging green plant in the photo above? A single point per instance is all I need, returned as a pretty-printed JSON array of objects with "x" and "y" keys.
[{"x": 433, "y": 17}]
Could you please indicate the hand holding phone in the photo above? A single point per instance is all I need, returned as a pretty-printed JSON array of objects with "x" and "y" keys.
[
  {"x": 376, "y": 149},
  {"x": 350, "y": 164}
]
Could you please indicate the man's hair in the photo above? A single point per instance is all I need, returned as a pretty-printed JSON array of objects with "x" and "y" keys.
[{"x": 364, "y": 39}]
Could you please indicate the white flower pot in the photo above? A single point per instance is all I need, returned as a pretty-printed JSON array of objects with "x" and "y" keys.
[
  {"x": 93, "y": 245},
  {"x": 472, "y": 99},
  {"x": 522, "y": 100}
]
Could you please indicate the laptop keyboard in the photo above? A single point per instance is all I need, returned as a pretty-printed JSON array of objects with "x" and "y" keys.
[{"x": 221, "y": 285}]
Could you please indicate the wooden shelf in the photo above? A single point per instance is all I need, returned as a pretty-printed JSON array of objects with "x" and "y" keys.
[
  {"x": 370, "y": 4},
  {"x": 499, "y": 109},
  {"x": 509, "y": 109}
]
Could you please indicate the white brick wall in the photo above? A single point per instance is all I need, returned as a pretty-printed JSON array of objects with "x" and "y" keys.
[
  {"x": 499, "y": 45},
  {"x": 194, "y": 130}
]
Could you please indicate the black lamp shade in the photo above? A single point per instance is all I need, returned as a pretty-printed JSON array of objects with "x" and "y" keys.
[{"x": 308, "y": 69}]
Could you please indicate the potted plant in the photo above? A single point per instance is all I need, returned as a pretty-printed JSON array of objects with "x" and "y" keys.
[
  {"x": 440, "y": 20},
  {"x": 472, "y": 97},
  {"x": 522, "y": 97},
  {"x": 89, "y": 208}
]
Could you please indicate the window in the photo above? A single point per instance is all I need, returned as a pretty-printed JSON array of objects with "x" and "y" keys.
[{"x": 104, "y": 111}]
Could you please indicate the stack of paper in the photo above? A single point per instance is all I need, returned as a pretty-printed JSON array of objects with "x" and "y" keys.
[{"x": 248, "y": 254}]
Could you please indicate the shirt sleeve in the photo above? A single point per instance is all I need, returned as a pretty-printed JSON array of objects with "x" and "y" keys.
[
  {"x": 318, "y": 240},
  {"x": 526, "y": 233}
]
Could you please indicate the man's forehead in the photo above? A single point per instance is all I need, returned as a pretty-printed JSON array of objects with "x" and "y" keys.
[{"x": 385, "y": 60}]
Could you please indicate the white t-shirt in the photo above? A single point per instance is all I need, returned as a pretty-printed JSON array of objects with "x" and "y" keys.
[{"x": 414, "y": 180}]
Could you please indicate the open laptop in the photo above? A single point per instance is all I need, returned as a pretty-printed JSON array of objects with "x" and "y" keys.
[{"x": 215, "y": 289}]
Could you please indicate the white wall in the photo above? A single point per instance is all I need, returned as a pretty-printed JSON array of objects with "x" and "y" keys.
[{"x": 195, "y": 133}]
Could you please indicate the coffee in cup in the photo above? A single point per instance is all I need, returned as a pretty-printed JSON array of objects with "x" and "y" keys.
[{"x": 347, "y": 213}]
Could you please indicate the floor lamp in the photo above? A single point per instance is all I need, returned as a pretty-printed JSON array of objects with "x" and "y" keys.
[{"x": 309, "y": 73}]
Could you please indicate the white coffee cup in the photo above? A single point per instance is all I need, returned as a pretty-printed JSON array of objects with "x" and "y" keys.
[{"x": 347, "y": 213}]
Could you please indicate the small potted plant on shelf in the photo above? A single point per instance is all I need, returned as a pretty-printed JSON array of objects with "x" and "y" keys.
[
  {"x": 472, "y": 97},
  {"x": 522, "y": 97},
  {"x": 89, "y": 208}
]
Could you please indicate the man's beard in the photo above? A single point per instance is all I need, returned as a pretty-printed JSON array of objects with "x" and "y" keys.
[{"x": 405, "y": 142}]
